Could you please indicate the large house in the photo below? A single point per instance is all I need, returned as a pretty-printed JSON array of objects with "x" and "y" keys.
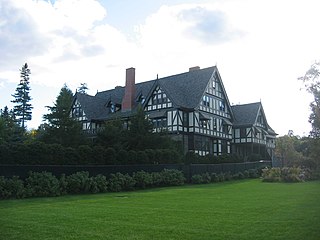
[{"x": 193, "y": 107}]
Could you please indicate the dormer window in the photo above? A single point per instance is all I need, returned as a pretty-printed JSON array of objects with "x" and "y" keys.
[
  {"x": 222, "y": 106},
  {"x": 141, "y": 99},
  {"x": 112, "y": 108}
]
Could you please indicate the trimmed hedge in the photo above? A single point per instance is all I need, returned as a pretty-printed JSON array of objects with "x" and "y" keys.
[{"x": 39, "y": 153}]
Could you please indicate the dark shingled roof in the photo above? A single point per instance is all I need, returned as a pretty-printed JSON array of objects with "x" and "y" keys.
[
  {"x": 245, "y": 114},
  {"x": 184, "y": 90}
]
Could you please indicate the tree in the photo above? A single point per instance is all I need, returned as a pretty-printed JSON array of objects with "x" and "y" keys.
[
  {"x": 61, "y": 127},
  {"x": 286, "y": 150},
  {"x": 311, "y": 81},
  {"x": 22, "y": 109},
  {"x": 83, "y": 88},
  {"x": 10, "y": 131}
]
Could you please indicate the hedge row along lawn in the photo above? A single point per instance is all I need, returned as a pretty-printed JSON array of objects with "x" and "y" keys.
[{"x": 248, "y": 209}]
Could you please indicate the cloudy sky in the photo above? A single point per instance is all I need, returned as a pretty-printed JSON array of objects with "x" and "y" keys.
[{"x": 260, "y": 47}]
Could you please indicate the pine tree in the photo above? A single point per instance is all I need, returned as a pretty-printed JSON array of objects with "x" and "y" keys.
[
  {"x": 22, "y": 109},
  {"x": 62, "y": 128}
]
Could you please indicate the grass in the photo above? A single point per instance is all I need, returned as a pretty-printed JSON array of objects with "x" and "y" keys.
[{"x": 246, "y": 209}]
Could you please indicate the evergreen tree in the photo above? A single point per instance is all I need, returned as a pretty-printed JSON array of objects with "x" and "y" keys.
[
  {"x": 61, "y": 127},
  {"x": 10, "y": 131},
  {"x": 83, "y": 88},
  {"x": 22, "y": 109}
]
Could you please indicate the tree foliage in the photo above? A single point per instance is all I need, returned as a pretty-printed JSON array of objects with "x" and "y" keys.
[
  {"x": 61, "y": 127},
  {"x": 311, "y": 81},
  {"x": 22, "y": 108}
]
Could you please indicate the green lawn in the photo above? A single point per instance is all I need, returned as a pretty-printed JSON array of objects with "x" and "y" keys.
[{"x": 246, "y": 209}]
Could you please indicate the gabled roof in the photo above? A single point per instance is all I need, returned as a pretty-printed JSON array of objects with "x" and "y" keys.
[
  {"x": 246, "y": 115},
  {"x": 184, "y": 90}
]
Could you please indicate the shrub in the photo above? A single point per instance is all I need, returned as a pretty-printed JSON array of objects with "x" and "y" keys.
[
  {"x": 253, "y": 173},
  {"x": 101, "y": 183},
  {"x": 196, "y": 179},
  {"x": 206, "y": 178},
  {"x": 239, "y": 175},
  {"x": 79, "y": 182},
  {"x": 142, "y": 179},
  {"x": 291, "y": 174},
  {"x": 63, "y": 184},
  {"x": 228, "y": 176},
  {"x": 120, "y": 182},
  {"x": 221, "y": 177},
  {"x": 42, "y": 184},
  {"x": 214, "y": 177},
  {"x": 271, "y": 175},
  {"x": 11, "y": 188},
  {"x": 172, "y": 177}
]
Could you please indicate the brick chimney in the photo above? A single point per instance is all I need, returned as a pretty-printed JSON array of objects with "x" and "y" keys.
[
  {"x": 194, "y": 68},
  {"x": 129, "y": 91}
]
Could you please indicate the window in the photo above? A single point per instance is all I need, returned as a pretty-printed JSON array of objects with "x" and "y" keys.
[
  {"x": 222, "y": 106},
  {"x": 206, "y": 101}
]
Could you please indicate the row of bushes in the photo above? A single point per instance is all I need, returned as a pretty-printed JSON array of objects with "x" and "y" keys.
[
  {"x": 39, "y": 153},
  {"x": 221, "y": 177},
  {"x": 55, "y": 154},
  {"x": 288, "y": 174},
  {"x": 45, "y": 184}
]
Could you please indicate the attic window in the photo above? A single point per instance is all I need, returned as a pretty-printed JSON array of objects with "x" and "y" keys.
[
  {"x": 141, "y": 99},
  {"x": 112, "y": 108},
  {"x": 222, "y": 106}
]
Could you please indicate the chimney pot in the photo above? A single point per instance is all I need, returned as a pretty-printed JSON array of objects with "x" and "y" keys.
[{"x": 194, "y": 68}]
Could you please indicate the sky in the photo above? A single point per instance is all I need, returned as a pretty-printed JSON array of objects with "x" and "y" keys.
[{"x": 260, "y": 47}]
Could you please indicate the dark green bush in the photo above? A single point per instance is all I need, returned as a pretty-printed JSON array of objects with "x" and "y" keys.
[
  {"x": 253, "y": 173},
  {"x": 42, "y": 184},
  {"x": 214, "y": 177},
  {"x": 228, "y": 176},
  {"x": 12, "y": 188},
  {"x": 101, "y": 183},
  {"x": 206, "y": 178},
  {"x": 172, "y": 177},
  {"x": 142, "y": 179},
  {"x": 196, "y": 179},
  {"x": 120, "y": 182},
  {"x": 79, "y": 182}
]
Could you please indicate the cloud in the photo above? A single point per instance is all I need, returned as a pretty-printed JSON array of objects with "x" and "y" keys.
[
  {"x": 209, "y": 26},
  {"x": 19, "y": 36}
]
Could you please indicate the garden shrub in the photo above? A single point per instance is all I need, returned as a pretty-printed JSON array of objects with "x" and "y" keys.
[
  {"x": 101, "y": 183},
  {"x": 253, "y": 173},
  {"x": 206, "y": 178},
  {"x": 238, "y": 175},
  {"x": 11, "y": 188},
  {"x": 42, "y": 184},
  {"x": 142, "y": 179},
  {"x": 286, "y": 174},
  {"x": 120, "y": 182},
  {"x": 79, "y": 182},
  {"x": 214, "y": 177},
  {"x": 196, "y": 179},
  {"x": 228, "y": 176},
  {"x": 291, "y": 174},
  {"x": 156, "y": 179},
  {"x": 172, "y": 177},
  {"x": 221, "y": 177}
]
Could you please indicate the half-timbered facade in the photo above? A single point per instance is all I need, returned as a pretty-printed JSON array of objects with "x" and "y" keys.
[{"x": 193, "y": 107}]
